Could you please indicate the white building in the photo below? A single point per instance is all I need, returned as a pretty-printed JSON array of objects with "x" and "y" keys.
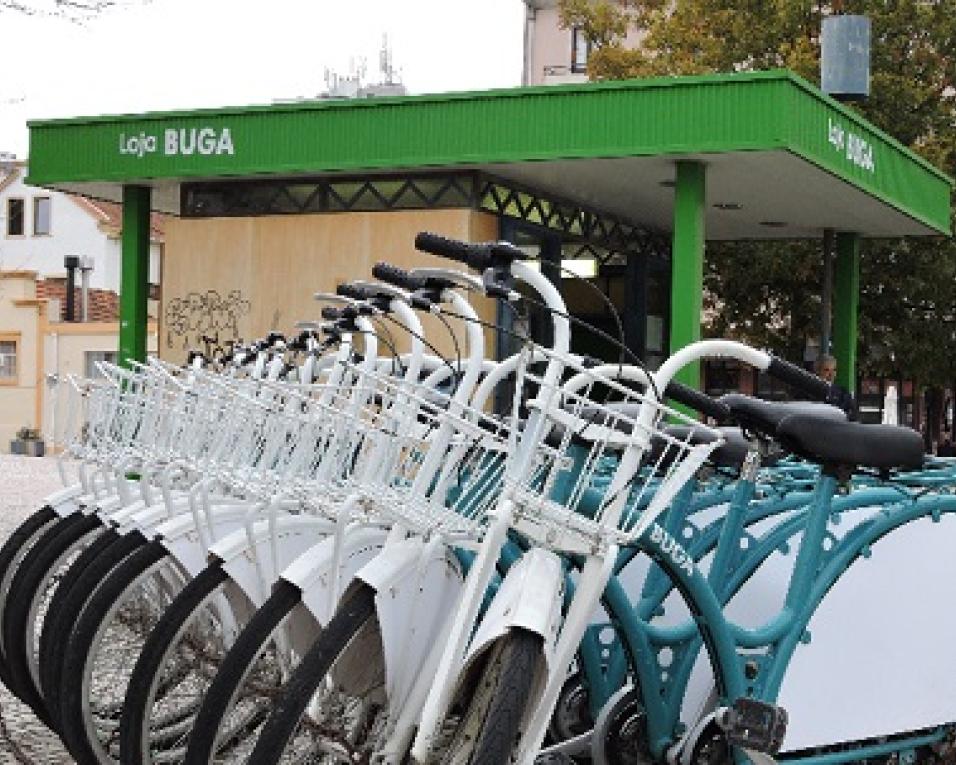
[
  {"x": 39, "y": 228},
  {"x": 554, "y": 55}
]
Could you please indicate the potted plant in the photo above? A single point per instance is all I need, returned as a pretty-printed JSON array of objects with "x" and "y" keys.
[{"x": 29, "y": 442}]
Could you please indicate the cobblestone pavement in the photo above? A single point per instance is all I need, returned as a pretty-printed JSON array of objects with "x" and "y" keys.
[{"x": 24, "y": 740}]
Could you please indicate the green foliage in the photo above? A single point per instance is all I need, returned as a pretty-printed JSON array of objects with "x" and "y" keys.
[{"x": 769, "y": 293}]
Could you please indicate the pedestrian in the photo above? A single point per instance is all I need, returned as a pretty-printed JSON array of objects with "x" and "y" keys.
[{"x": 839, "y": 396}]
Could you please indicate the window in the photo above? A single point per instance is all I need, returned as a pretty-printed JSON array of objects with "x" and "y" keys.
[
  {"x": 42, "y": 208},
  {"x": 8, "y": 360},
  {"x": 94, "y": 357},
  {"x": 15, "y": 216},
  {"x": 580, "y": 48}
]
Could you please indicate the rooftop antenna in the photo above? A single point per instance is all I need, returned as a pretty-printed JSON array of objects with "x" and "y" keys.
[{"x": 387, "y": 63}]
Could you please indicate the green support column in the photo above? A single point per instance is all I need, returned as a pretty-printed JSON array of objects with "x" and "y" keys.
[
  {"x": 846, "y": 301},
  {"x": 134, "y": 276},
  {"x": 687, "y": 263}
]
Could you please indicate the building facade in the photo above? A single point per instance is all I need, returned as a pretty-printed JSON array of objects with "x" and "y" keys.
[
  {"x": 37, "y": 349},
  {"x": 40, "y": 227},
  {"x": 554, "y": 54}
]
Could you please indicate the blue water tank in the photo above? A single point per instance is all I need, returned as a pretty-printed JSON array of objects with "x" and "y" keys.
[{"x": 845, "y": 57}]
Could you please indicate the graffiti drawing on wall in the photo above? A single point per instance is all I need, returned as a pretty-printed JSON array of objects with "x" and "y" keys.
[{"x": 202, "y": 320}]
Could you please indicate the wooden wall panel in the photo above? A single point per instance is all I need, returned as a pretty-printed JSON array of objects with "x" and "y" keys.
[{"x": 246, "y": 276}]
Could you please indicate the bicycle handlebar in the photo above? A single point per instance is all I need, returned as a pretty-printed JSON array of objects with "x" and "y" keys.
[
  {"x": 396, "y": 276},
  {"x": 476, "y": 256},
  {"x": 698, "y": 401},
  {"x": 800, "y": 378}
]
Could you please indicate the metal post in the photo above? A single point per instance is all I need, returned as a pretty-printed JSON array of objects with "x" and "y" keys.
[
  {"x": 635, "y": 314},
  {"x": 86, "y": 265},
  {"x": 826, "y": 313},
  {"x": 71, "y": 263},
  {"x": 134, "y": 279},
  {"x": 846, "y": 308},
  {"x": 687, "y": 263},
  {"x": 551, "y": 268}
]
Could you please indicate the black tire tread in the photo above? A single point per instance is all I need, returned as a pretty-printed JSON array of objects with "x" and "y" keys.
[
  {"x": 56, "y": 634},
  {"x": 506, "y": 711},
  {"x": 152, "y": 658},
  {"x": 349, "y": 618},
  {"x": 9, "y": 552},
  {"x": 80, "y": 644},
  {"x": 244, "y": 652},
  {"x": 24, "y": 587}
]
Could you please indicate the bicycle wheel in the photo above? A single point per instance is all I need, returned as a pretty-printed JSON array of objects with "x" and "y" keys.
[
  {"x": 250, "y": 678},
  {"x": 12, "y": 553},
  {"x": 104, "y": 646},
  {"x": 31, "y": 590},
  {"x": 179, "y": 661},
  {"x": 80, "y": 582},
  {"x": 332, "y": 708},
  {"x": 488, "y": 728}
]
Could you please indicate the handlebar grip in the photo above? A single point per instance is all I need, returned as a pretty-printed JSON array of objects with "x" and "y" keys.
[
  {"x": 275, "y": 337},
  {"x": 396, "y": 276},
  {"x": 477, "y": 256},
  {"x": 331, "y": 313},
  {"x": 351, "y": 291},
  {"x": 698, "y": 401},
  {"x": 443, "y": 247},
  {"x": 800, "y": 378}
]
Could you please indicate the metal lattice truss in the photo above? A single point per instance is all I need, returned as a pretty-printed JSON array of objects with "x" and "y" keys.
[{"x": 591, "y": 234}]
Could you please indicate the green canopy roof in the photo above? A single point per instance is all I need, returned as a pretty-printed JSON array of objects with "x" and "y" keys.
[{"x": 783, "y": 160}]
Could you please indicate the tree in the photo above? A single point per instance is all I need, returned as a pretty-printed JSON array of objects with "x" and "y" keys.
[{"x": 765, "y": 293}]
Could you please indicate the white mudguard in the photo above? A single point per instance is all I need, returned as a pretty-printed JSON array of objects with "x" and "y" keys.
[
  {"x": 418, "y": 587},
  {"x": 117, "y": 516},
  {"x": 311, "y": 572},
  {"x": 65, "y": 501},
  {"x": 249, "y": 561},
  {"x": 530, "y": 598},
  {"x": 181, "y": 538}
]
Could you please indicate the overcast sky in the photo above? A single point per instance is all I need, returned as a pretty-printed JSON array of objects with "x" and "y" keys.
[{"x": 166, "y": 54}]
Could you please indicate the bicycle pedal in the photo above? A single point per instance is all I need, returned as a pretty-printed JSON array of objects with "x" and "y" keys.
[{"x": 755, "y": 725}]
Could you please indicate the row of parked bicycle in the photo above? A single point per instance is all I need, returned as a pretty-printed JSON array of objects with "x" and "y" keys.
[{"x": 327, "y": 551}]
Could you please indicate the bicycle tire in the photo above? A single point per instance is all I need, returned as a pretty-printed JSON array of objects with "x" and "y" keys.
[
  {"x": 31, "y": 582},
  {"x": 136, "y": 721},
  {"x": 237, "y": 666},
  {"x": 345, "y": 626},
  {"x": 499, "y": 704},
  {"x": 17, "y": 545},
  {"x": 77, "y": 720},
  {"x": 66, "y": 609}
]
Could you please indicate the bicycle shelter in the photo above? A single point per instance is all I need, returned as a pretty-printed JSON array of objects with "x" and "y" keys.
[{"x": 639, "y": 171}]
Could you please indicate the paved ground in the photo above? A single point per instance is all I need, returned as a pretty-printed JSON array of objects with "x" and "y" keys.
[{"x": 25, "y": 481}]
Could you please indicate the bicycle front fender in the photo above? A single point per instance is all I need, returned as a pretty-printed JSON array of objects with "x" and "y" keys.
[
  {"x": 248, "y": 561},
  {"x": 530, "y": 598},
  {"x": 65, "y": 501},
  {"x": 418, "y": 588}
]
